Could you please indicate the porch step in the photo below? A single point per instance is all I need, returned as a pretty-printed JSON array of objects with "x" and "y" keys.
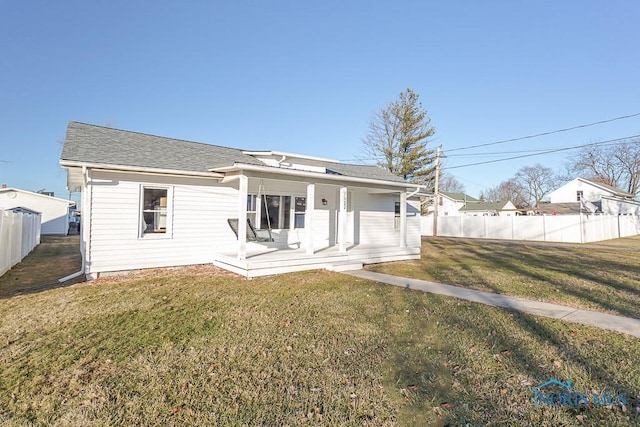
[{"x": 345, "y": 266}]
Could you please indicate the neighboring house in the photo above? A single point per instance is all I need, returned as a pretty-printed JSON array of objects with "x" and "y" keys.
[
  {"x": 54, "y": 211},
  {"x": 576, "y": 193},
  {"x": 489, "y": 209},
  {"x": 150, "y": 201},
  {"x": 449, "y": 203}
]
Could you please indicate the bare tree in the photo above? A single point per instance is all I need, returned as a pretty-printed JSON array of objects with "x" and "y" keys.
[
  {"x": 398, "y": 136},
  {"x": 509, "y": 190},
  {"x": 616, "y": 165},
  {"x": 450, "y": 183},
  {"x": 536, "y": 182}
]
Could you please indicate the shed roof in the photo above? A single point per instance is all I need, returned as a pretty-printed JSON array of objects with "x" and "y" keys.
[{"x": 33, "y": 193}]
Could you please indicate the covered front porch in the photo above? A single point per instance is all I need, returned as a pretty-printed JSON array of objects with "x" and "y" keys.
[
  {"x": 261, "y": 260},
  {"x": 285, "y": 223}
]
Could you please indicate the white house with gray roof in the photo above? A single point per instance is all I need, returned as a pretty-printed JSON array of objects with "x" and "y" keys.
[
  {"x": 150, "y": 201},
  {"x": 605, "y": 198}
]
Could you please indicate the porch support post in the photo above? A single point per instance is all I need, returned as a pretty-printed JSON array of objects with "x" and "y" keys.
[
  {"x": 403, "y": 219},
  {"x": 243, "y": 190},
  {"x": 308, "y": 216},
  {"x": 342, "y": 220}
]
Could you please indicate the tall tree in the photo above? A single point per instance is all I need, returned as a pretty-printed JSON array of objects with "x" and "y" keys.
[
  {"x": 617, "y": 165},
  {"x": 398, "y": 136},
  {"x": 509, "y": 190},
  {"x": 535, "y": 182}
]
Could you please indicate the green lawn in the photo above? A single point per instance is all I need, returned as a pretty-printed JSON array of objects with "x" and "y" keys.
[
  {"x": 54, "y": 258},
  {"x": 314, "y": 348},
  {"x": 595, "y": 278}
]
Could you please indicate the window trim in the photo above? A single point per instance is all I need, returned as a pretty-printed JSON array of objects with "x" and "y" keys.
[
  {"x": 396, "y": 215},
  {"x": 292, "y": 210},
  {"x": 168, "y": 234}
]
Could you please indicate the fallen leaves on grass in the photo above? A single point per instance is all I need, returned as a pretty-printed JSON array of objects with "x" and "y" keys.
[{"x": 177, "y": 409}]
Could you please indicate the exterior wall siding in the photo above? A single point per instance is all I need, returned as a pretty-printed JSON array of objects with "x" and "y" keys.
[
  {"x": 54, "y": 211},
  {"x": 199, "y": 209},
  {"x": 199, "y": 226},
  {"x": 569, "y": 192}
]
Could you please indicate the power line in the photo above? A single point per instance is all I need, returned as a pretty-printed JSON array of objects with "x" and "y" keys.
[
  {"x": 444, "y": 154},
  {"x": 493, "y": 153},
  {"x": 544, "y": 133},
  {"x": 611, "y": 141}
]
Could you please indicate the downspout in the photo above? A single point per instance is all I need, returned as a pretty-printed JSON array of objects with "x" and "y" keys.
[
  {"x": 413, "y": 193},
  {"x": 85, "y": 180},
  {"x": 284, "y": 157}
]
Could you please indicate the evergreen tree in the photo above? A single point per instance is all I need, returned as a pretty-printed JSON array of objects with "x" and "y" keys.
[{"x": 398, "y": 137}]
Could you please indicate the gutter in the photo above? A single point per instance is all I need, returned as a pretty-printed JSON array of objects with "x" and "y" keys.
[
  {"x": 317, "y": 175},
  {"x": 139, "y": 169},
  {"x": 85, "y": 180}
]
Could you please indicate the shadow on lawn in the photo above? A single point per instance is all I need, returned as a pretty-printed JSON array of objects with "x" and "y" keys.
[
  {"x": 55, "y": 257},
  {"x": 547, "y": 265},
  {"x": 487, "y": 361}
]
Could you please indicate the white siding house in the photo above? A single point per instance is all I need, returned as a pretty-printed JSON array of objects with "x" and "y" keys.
[
  {"x": 142, "y": 210},
  {"x": 489, "y": 209},
  {"x": 54, "y": 211},
  {"x": 609, "y": 200},
  {"x": 450, "y": 203}
]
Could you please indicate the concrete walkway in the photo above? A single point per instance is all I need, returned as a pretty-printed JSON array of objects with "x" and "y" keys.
[{"x": 626, "y": 325}]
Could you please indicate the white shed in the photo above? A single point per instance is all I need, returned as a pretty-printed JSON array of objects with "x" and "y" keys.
[{"x": 54, "y": 211}]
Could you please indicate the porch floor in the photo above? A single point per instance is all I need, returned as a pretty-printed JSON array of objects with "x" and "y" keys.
[{"x": 264, "y": 261}]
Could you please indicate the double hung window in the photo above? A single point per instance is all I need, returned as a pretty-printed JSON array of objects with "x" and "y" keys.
[{"x": 154, "y": 211}]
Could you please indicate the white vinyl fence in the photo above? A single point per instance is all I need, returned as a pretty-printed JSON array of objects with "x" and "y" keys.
[
  {"x": 549, "y": 228},
  {"x": 19, "y": 234}
]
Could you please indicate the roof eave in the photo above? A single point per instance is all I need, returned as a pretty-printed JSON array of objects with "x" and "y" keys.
[
  {"x": 317, "y": 175},
  {"x": 58, "y": 199},
  {"x": 140, "y": 169},
  {"x": 286, "y": 154}
]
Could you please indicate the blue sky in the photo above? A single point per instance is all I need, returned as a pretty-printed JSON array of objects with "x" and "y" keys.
[{"x": 307, "y": 76}]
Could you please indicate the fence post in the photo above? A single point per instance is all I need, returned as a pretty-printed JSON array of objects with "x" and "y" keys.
[
  {"x": 513, "y": 226},
  {"x": 619, "y": 226}
]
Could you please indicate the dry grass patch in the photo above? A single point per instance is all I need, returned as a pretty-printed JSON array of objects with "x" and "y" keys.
[
  {"x": 632, "y": 242},
  {"x": 306, "y": 348},
  {"x": 54, "y": 258},
  {"x": 592, "y": 278}
]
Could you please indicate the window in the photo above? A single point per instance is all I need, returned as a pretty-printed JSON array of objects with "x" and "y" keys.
[
  {"x": 300, "y": 209},
  {"x": 396, "y": 219},
  {"x": 154, "y": 210},
  {"x": 440, "y": 201},
  {"x": 580, "y": 195},
  {"x": 251, "y": 208},
  {"x": 277, "y": 212}
]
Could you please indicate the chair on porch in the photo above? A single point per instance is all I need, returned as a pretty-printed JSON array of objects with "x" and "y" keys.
[{"x": 252, "y": 233}]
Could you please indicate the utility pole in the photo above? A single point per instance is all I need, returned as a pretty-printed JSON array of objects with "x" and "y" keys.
[{"x": 436, "y": 197}]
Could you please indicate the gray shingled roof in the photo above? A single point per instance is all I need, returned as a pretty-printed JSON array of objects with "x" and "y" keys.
[
  {"x": 97, "y": 144},
  {"x": 87, "y": 143},
  {"x": 459, "y": 196},
  {"x": 362, "y": 171},
  {"x": 483, "y": 206},
  {"x": 617, "y": 191}
]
